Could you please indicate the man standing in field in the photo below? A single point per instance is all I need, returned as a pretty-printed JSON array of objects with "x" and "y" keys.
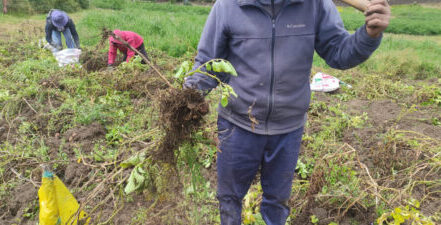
[{"x": 271, "y": 44}]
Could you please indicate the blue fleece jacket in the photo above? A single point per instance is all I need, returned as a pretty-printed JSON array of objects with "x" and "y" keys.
[{"x": 273, "y": 57}]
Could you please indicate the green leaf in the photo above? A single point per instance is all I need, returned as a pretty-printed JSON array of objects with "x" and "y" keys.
[
  {"x": 414, "y": 202},
  {"x": 139, "y": 175},
  {"x": 208, "y": 66},
  {"x": 382, "y": 218},
  {"x": 180, "y": 73},
  {"x": 222, "y": 66},
  {"x": 131, "y": 184},
  {"x": 4, "y": 95},
  {"x": 314, "y": 219},
  {"x": 136, "y": 180},
  {"x": 224, "y": 101},
  {"x": 183, "y": 69},
  {"x": 231, "y": 91},
  {"x": 216, "y": 66},
  {"x": 248, "y": 217},
  {"x": 230, "y": 69},
  {"x": 133, "y": 161}
]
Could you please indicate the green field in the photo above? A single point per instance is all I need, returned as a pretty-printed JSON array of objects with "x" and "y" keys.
[{"x": 371, "y": 151}]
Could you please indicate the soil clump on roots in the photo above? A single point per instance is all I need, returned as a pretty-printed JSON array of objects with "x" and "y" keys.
[
  {"x": 181, "y": 113},
  {"x": 93, "y": 60}
]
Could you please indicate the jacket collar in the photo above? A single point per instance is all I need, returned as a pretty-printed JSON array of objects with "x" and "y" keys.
[{"x": 254, "y": 2}]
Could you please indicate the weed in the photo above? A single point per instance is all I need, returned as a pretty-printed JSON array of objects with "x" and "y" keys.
[
  {"x": 410, "y": 213},
  {"x": 314, "y": 219},
  {"x": 435, "y": 121},
  {"x": 251, "y": 206},
  {"x": 394, "y": 153},
  {"x": 114, "y": 136},
  {"x": 304, "y": 169},
  {"x": 428, "y": 94},
  {"x": 341, "y": 182},
  {"x": 375, "y": 87},
  {"x": 333, "y": 122}
]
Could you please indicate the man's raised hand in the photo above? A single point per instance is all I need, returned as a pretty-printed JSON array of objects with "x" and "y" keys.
[{"x": 377, "y": 17}]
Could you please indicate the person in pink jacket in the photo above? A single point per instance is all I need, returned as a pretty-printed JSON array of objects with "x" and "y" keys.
[{"x": 130, "y": 37}]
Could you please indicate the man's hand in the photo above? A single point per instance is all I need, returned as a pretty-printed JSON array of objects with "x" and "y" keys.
[
  {"x": 188, "y": 85},
  {"x": 377, "y": 17}
]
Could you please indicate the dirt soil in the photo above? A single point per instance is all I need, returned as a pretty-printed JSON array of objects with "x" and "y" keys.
[
  {"x": 376, "y": 152},
  {"x": 181, "y": 114},
  {"x": 5, "y": 131},
  {"x": 81, "y": 173},
  {"x": 139, "y": 84},
  {"x": 93, "y": 60},
  {"x": 21, "y": 201},
  {"x": 82, "y": 138}
]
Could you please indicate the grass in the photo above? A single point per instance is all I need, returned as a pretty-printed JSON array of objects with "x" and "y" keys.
[
  {"x": 401, "y": 57},
  {"x": 176, "y": 29},
  {"x": 406, "y": 19},
  {"x": 170, "y": 28}
]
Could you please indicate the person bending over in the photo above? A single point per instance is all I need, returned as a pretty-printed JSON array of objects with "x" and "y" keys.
[
  {"x": 58, "y": 22},
  {"x": 132, "y": 38}
]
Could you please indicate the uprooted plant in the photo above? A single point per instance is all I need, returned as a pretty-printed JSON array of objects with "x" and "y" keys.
[
  {"x": 181, "y": 115},
  {"x": 181, "y": 111}
]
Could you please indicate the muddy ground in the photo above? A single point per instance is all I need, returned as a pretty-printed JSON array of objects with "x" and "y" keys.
[
  {"x": 95, "y": 182},
  {"x": 377, "y": 154}
]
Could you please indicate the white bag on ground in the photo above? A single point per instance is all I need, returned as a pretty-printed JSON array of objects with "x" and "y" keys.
[
  {"x": 324, "y": 83},
  {"x": 67, "y": 56}
]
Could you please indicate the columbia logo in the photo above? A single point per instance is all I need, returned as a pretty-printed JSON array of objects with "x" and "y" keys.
[{"x": 293, "y": 26}]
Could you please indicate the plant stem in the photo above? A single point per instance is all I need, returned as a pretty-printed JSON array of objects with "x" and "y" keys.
[
  {"x": 210, "y": 75},
  {"x": 142, "y": 56}
]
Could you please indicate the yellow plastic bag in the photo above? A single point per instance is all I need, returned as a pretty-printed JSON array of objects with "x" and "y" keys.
[{"x": 57, "y": 205}]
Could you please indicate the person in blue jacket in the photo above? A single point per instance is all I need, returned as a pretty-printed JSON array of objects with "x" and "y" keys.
[
  {"x": 271, "y": 44},
  {"x": 58, "y": 22}
]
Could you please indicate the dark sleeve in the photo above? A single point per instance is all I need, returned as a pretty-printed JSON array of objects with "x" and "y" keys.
[
  {"x": 340, "y": 49},
  {"x": 212, "y": 45},
  {"x": 48, "y": 30},
  {"x": 74, "y": 32}
]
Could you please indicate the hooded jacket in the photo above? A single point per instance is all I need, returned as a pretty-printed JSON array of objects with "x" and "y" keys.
[
  {"x": 50, "y": 27},
  {"x": 272, "y": 55},
  {"x": 130, "y": 37}
]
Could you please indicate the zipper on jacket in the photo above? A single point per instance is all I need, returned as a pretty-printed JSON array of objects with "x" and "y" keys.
[{"x": 273, "y": 40}]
